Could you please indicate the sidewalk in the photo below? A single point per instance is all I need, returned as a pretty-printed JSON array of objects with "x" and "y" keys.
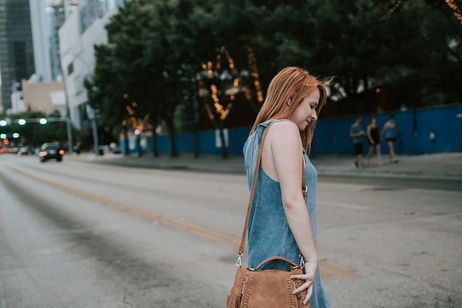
[{"x": 441, "y": 166}]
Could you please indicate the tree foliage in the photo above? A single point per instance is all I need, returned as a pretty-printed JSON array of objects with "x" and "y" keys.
[
  {"x": 157, "y": 51},
  {"x": 33, "y": 133}
]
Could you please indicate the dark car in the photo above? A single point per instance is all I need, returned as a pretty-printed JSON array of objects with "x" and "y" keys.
[{"x": 51, "y": 151}]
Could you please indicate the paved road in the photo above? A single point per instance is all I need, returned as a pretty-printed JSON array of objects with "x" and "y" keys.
[{"x": 75, "y": 234}]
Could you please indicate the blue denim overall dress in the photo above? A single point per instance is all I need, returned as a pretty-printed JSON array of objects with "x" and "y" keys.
[{"x": 268, "y": 233}]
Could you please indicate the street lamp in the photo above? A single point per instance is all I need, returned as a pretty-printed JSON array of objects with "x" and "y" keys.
[
  {"x": 3, "y": 123},
  {"x": 2, "y": 136},
  {"x": 22, "y": 122},
  {"x": 15, "y": 135},
  {"x": 43, "y": 121}
]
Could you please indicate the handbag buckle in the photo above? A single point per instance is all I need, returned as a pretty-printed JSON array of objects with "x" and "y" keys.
[
  {"x": 239, "y": 260},
  {"x": 295, "y": 267}
]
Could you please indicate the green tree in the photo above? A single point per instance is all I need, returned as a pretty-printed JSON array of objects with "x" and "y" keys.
[
  {"x": 32, "y": 132},
  {"x": 106, "y": 92},
  {"x": 157, "y": 51}
]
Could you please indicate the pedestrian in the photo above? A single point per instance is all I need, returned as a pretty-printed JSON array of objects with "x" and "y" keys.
[
  {"x": 283, "y": 223},
  {"x": 373, "y": 136},
  {"x": 77, "y": 147},
  {"x": 390, "y": 133},
  {"x": 357, "y": 133}
]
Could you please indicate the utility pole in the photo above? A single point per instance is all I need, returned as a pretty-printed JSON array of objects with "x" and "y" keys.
[
  {"x": 68, "y": 115},
  {"x": 95, "y": 135},
  {"x": 93, "y": 115}
]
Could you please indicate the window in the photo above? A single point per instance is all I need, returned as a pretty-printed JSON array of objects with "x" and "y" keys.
[{"x": 70, "y": 68}]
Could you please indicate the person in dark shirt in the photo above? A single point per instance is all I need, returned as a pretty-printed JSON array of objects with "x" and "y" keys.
[{"x": 373, "y": 136}]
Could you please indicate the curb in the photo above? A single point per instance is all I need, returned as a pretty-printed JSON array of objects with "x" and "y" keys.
[
  {"x": 241, "y": 170},
  {"x": 396, "y": 175},
  {"x": 142, "y": 165}
]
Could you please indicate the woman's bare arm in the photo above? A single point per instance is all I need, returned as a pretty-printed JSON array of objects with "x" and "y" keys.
[
  {"x": 286, "y": 148},
  {"x": 369, "y": 136}
]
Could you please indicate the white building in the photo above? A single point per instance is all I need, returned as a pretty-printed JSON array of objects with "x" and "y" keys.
[
  {"x": 82, "y": 30},
  {"x": 17, "y": 102},
  {"x": 70, "y": 6},
  {"x": 41, "y": 31},
  {"x": 46, "y": 19}
]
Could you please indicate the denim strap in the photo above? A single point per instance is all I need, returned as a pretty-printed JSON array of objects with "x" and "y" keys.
[{"x": 254, "y": 184}]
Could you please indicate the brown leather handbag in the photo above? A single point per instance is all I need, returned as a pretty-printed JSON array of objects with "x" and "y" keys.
[{"x": 269, "y": 288}]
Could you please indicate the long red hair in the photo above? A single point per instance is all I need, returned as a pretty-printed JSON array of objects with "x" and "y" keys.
[{"x": 291, "y": 84}]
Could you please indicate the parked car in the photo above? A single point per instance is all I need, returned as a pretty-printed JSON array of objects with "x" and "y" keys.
[
  {"x": 114, "y": 148},
  {"x": 50, "y": 151},
  {"x": 6, "y": 150},
  {"x": 24, "y": 150}
]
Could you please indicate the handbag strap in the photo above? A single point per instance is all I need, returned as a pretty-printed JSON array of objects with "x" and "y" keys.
[
  {"x": 252, "y": 192},
  {"x": 275, "y": 258}
]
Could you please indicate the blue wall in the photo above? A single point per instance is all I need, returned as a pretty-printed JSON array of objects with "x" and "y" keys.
[{"x": 332, "y": 135}]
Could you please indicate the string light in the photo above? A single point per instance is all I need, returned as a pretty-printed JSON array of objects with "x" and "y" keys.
[
  {"x": 130, "y": 110},
  {"x": 218, "y": 63},
  {"x": 222, "y": 109},
  {"x": 455, "y": 9},
  {"x": 230, "y": 61},
  {"x": 395, "y": 7},
  {"x": 209, "y": 69},
  {"x": 254, "y": 72}
]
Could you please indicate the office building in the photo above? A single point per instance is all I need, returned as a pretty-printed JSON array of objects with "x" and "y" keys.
[{"x": 16, "y": 50}]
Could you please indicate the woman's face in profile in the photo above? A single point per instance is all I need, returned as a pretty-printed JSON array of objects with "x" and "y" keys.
[{"x": 305, "y": 112}]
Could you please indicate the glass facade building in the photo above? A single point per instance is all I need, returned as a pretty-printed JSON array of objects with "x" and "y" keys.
[{"x": 16, "y": 50}]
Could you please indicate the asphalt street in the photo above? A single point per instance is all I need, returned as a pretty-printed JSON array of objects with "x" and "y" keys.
[{"x": 76, "y": 234}]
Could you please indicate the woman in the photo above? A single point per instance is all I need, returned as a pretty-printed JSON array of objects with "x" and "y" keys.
[
  {"x": 391, "y": 133},
  {"x": 281, "y": 222},
  {"x": 373, "y": 136}
]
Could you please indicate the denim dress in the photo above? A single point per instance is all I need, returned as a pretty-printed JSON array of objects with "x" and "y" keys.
[{"x": 269, "y": 234}]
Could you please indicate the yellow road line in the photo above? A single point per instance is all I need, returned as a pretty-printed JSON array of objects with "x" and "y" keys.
[
  {"x": 331, "y": 269},
  {"x": 202, "y": 231}
]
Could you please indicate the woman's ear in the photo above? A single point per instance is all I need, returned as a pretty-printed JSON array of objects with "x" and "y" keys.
[{"x": 289, "y": 102}]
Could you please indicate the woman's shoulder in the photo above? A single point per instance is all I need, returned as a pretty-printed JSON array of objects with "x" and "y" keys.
[
  {"x": 284, "y": 134},
  {"x": 280, "y": 128},
  {"x": 284, "y": 126}
]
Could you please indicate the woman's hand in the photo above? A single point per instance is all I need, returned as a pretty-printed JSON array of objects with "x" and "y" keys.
[{"x": 310, "y": 273}]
